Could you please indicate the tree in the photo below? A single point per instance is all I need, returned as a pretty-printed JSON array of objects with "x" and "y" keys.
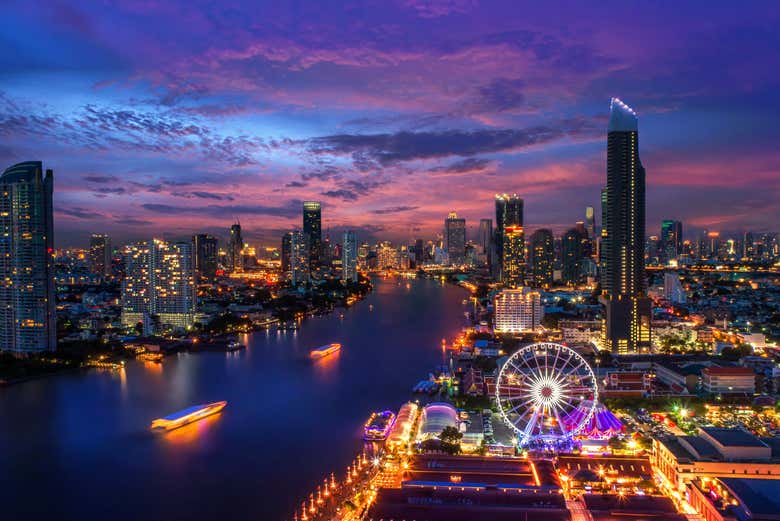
[
  {"x": 617, "y": 443},
  {"x": 450, "y": 440}
]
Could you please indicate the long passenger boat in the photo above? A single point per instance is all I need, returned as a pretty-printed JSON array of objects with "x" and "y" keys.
[
  {"x": 325, "y": 350},
  {"x": 378, "y": 426},
  {"x": 186, "y": 416}
]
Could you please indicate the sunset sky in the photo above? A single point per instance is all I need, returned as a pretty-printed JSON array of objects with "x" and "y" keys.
[{"x": 167, "y": 118}]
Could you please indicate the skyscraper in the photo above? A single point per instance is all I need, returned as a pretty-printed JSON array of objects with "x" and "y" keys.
[
  {"x": 286, "y": 252},
  {"x": 159, "y": 282},
  {"x": 572, "y": 252},
  {"x": 509, "y": 212},
  {"x": 100, "y": 254},
  {"x": 671, "y": 239},
  {"x": 27, "y": 298},
  {"x": 542, "y": 253},
  {"x": 486, "y": 239},
  {"x": 517, "y": 310},
  {"x": 349, "y": 272},
  {"x": 205, "y": 248},
  {"x": 590, "y": 222},
  {"x": 455, "y": 238},
  {"x": 628, "y": 310},
  {"x": 235, "y": 244},
  {"x": 312, "y": 227},
  {"x": 300, "y": 260},
  {"x": 513, "y": 265}
]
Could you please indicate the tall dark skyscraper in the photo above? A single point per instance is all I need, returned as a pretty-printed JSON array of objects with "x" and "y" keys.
[
  {"x": 286, "y": 251},
  {"x": 542, "y": 258},
  {"x": 27, "y": 298},
  {"x": 628, "y": 310},
  {"x": 100, "y": 254},
  {"x": 590, "y": 222},
  {"x": 671, "y": 239},
  {"x": 486, "y": 239},
  {"x": 573, "y": 250},
  {"x": 455, "y": 238},
  {"x": 312, "y": 228},
  {"x": 205, "y": 249},
  {"x": 509, "y": 213},
  {"x": 235, "y": 245}
]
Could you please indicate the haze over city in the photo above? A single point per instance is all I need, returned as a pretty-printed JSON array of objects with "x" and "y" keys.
[{"x": 160, "y": 118}]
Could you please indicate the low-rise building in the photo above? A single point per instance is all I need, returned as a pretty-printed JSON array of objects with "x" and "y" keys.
[{"x": 728, "y": 380}]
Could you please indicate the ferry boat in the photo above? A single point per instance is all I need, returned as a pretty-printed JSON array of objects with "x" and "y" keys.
[
  {"x": 325, "y": 350},
  {"x": 188, "y": 415},
  {"x": 378, "y": 426}
]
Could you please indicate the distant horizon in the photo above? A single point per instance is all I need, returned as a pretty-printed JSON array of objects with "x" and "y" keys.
[{"x": 176, "y": 119}]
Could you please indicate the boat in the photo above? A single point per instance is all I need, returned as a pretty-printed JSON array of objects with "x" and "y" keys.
[
  {"x": 325, "y": 350},
  {"x": 378, "y": 426},
  {"x": 186, "y": 416},
  {"x": 235, "y": 346}
]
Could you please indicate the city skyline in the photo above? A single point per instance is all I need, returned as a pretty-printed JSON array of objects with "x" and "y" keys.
[{"x": 184, "y": 135}]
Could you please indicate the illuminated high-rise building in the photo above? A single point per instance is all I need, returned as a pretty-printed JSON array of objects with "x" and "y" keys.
[
  {"x": 100, "y": 254},
  {"x": 671, "y": 239},
  {"x": 235, "y": 260},
  {"x": 513, "y": 265},
  {"x": 542, "y": 258},
  {"x": 312, "y": 227},
  {"x": 159, "y": 282},
  {"x": 509, "y": 213},
  {"x": 590, "y": 222},
  {"x": 286, "y": 252},
  {"x": 628, "y": 310},
  {"x": 455, "y": 238},
  {"x": 517, "y": 310},
  {"x": 27, "y": 297},
  {"x": 486, "y": 239},
  {"x": 349, "y": 271},
  {"x": 135, "y": 284},
  {"x": 572, "y": 252},
  {"x": 300, "y": 261},
  {"x": 205, "y": 249}
]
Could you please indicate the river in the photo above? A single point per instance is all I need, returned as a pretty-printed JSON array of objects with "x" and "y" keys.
[{"x": 78, "y": 446}]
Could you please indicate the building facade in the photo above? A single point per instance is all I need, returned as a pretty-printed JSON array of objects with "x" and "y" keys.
[
  {"x": 100, "y": 254},
  {"x": 349, "y": 257},
  {"x": 235, "y": 261},
  {"x": 455, "y": 238},
  {"x": 517, "y": 310},
  {"x": 205, "y": 249},
  {"x": 27, "y": 299},
  {"x": 624, "y": 288},
  {"x": 300, "y": 260},
  {"x": 509, "y": 213},
  {"x": 312, "y": 228},
  {"x": 542, "y": 258}
]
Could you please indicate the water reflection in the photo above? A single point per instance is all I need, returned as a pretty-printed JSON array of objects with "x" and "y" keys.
[
  {"x": 191, "y": 432},
  {"x": 327, "y": 367}
]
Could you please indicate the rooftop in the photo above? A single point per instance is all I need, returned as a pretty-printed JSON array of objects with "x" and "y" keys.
[
  {"x": 622, "y": 118},
  {"x": 759, "y": 496},
  {"x": 733, "y": 437}
]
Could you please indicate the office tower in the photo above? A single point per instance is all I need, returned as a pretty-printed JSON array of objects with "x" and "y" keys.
[
  {"x": 485, "y": 240},
  {"x": 509, "y": 213},
  {"x": 590, "y": 223},
  {"x": 312, "y": 227},
  {"x": 748, "y": 249},
  {"x": 673, "y": 290},
  {"x": 172, "y": 296},
  {"x": 513, "y": 265},
  {"x": 542, "y": 259},
  {"x": 628, "y": 310},
  {"x": 286, "y": 252},
  {"x": 300, "y": 260},
  {"x": 671, "y": 239},
  {"x": 159, "y": 283},
  {"x": 419, "y": 252},
  {"x": 517, "y": 310},
  {"x": 27, "y": 298},
  {"x": 349, "y": 271},
  {"x": 235, "y": 245},
  {"x": 455, "y": 238},
  {"x": 205, "y": 247},
  {"x": 135, "y": 284},
  {"x": 573, "y": 252},
  {"x": 100, "y": 255}
]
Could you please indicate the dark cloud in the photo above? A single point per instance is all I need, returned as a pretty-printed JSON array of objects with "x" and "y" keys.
[
  {"x": 110, "y": 191},
  {"x": 470, "y": 164},
  {"x": 226, "y": 211},
  {"x": 295, "y": 184},
  {"x": 204, "y": 195},
  {"x": 80, "y": 213},
  {"x": 395, "y": 209},
  {"x": 389, "y": 149},
  {"x": 130, "y": 221},
  {"x": 342, "y": 193},
  {"x": 100, "y": 179},
  {"x": 499, "y": 95}
]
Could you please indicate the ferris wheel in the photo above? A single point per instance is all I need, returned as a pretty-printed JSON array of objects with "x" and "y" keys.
[{"x": 546, "y": 392}]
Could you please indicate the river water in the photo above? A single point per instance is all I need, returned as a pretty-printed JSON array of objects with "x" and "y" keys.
[{"x": 78, "y": 446}]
